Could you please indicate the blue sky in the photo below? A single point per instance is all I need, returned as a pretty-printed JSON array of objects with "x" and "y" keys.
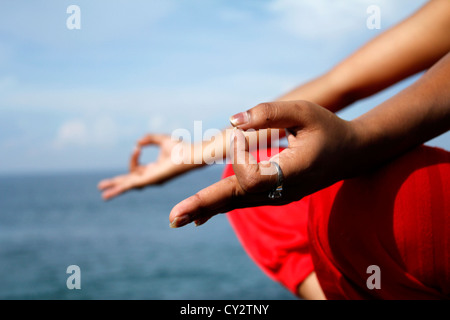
[{"x": 79, "y": 99}]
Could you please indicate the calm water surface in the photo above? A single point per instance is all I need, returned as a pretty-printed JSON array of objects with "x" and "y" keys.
[{"x": 124, "y": 248}]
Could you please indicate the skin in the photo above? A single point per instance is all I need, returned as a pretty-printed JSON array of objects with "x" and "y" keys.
[
  {"x": 415, "y": 115},
  {"x": 412, "y": 117}
]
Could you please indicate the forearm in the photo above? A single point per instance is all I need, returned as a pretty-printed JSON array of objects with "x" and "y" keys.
[
  {"x": 412, "y": 117},
  {"x": 320, "y": 89},
  {"x": 410, "y": 47}
]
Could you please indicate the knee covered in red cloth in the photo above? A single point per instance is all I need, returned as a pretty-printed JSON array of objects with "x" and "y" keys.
[{"x": 397, "y": 219}]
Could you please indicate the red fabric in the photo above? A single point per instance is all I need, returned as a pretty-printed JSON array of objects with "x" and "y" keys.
[
  {"x": 275, "y": 237},
  {"x": 397, "y": 218}
]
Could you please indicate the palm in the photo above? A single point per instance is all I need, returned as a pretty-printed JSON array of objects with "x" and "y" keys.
[{"x": 140, "y": 175}]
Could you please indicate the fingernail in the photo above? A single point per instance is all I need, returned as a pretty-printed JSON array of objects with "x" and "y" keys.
[
  {"x": 201, "y": 221},
  {"x": 180, "y": 221},
  {"x": 198, "y": 223},
  {"x": 239, "y": 119}
]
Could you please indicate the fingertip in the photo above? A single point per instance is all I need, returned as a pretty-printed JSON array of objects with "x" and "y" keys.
[
  {"x": 180, "y": 221},
  {"x": 240, "y": 119},
  {"x": 201, "y": 221},
  {"x": 151, "y": 139},
  {"x": 184, "y": 212},
  {"x": 113, "y": 192},
  {"x": 102, "y": 184},
  {"x": 105, "y": 196},
  {"x": 178, "y": 210},
  {"x": 175, "y": 212},
  {"x": 142, "y": 141}
]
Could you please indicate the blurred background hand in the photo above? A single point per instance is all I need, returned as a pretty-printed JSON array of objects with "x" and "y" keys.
[{"x": 157, "y": 172}]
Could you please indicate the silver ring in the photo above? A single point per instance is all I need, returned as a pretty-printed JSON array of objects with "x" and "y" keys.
[{"x": 276, "y": 193}]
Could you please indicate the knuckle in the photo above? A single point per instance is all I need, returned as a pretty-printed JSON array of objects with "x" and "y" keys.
[
  {"x": 300, "y": 108},
  {"x": 268, "y": 111},
  {"x": 305, "y": 108},
  {"x": 197, "y": 198},
  {"x": 303, "y": 112},
  {"x": 200, "y": 204},
  {"x": 249, "y": 183},
  {"x": 236, "y": 189}
]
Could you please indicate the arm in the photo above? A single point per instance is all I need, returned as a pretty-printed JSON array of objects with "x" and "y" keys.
[
  {"x": 410, "y": 47},
  {"x": 323, "y": 148},
  {"x": 414, "y": 116}
]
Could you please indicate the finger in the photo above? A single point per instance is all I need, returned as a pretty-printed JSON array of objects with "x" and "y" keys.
[
  {"x": 150, "y": 139},
  {"x": 240, "y": 149},
  {"x": 252, "y": 177},
  {"x": 217, "y": 198},
  {"x": 221, "y": 197},
  {"x": 272, "y": 115},
  {"x": 108, "y": 183},
  {"x": 113, "y": 192},
  {"x": 112, "y": 187},
  {"x": 201, "y": 221},
  {"x": 120, "y": 185},
  {"x": 104, "y": 184},
  {"x": 134, "y": 160}
]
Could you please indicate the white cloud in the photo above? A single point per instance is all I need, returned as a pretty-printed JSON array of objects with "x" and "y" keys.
[
  {"x": 73, "y": 132},
  {"x": 103, "y": 132}
]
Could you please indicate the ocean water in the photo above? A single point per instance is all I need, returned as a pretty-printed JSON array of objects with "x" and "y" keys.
[{"x": 124, "y": 247}]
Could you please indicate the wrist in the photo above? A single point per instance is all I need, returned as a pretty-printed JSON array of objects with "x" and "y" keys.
[{"x": 368, "y": 147}]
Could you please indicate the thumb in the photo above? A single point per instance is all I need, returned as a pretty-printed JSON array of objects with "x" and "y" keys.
[
  {"x": 278, "y": 115},
  {"x": 252, "y": 176},
  {"x": 151, "y": 139}
]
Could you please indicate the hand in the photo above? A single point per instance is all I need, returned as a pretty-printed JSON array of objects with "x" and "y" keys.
[
  {"x": 319, "y": 153},
  {"x": 156, "y": 172}
]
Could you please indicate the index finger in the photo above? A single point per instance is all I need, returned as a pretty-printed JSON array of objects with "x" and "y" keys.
[
  {"x": 221, "y": 197},
  {"x": 151, "y": 139},
  {"x": 134, "y": 160},
  {"x": 217, "y": 198}
]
